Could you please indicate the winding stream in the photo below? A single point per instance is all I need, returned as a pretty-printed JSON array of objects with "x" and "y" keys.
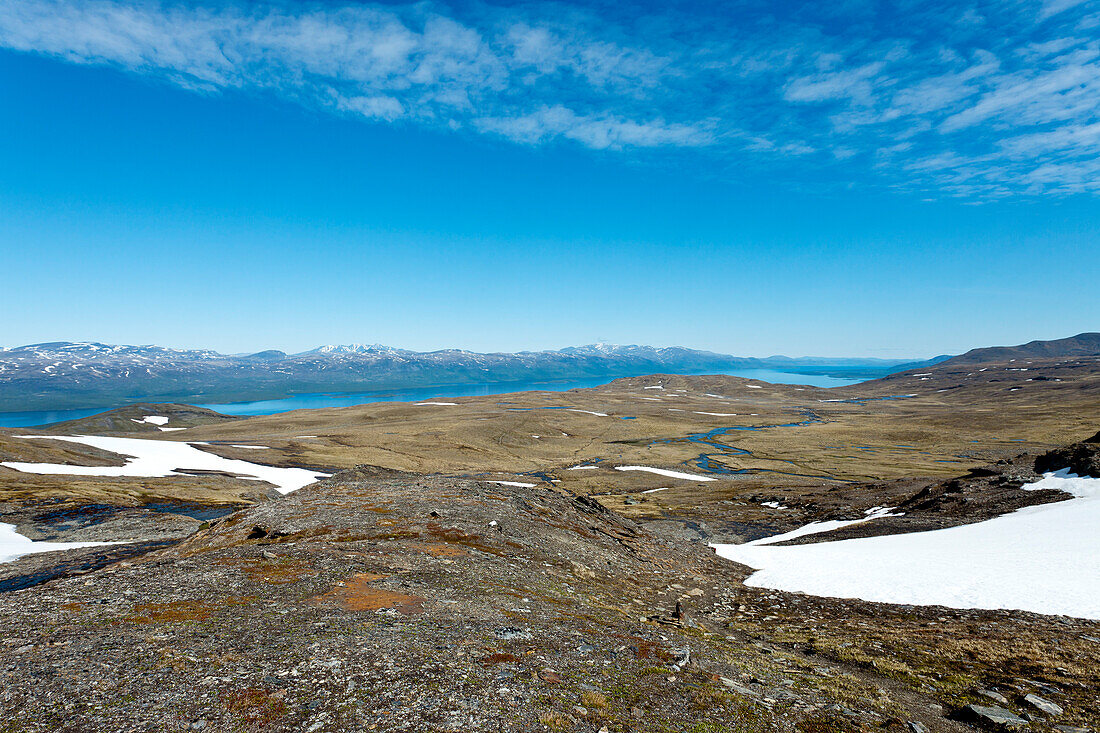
[{"x": 711, "y": 462}]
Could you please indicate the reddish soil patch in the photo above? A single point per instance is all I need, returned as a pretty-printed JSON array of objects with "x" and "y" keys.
[{"x": 358, "y": 595}]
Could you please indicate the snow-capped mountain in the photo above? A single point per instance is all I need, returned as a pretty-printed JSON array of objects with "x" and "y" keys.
[
  {"x": 61, "y": 375},
  {"x": 354, "y": 349}
]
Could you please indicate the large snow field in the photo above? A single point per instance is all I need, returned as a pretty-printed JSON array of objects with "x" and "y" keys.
[
  {"x": 1044, "y": 559},
  {"x": 150, "y": 458}
]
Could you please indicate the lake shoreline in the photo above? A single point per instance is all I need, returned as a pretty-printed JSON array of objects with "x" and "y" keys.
[{"x": 315, "y": 400}]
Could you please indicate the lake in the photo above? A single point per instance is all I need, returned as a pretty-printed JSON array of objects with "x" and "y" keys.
[{"x": 347, "y": 399}]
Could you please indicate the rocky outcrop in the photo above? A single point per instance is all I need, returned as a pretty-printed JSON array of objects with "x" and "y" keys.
[{"x": 1081, "y": 458}]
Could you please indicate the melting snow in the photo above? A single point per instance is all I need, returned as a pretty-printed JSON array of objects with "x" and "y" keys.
[
  {"x": 419, "y": 404},
  {"x": 13, "y": 544},
  {"x": 588, "y": 412},
  {"x": 717, "y": 414},
  {"x": 513, "y": 483},
  {"x": 653, "y": 491},
  {"x": 152, "y": 420},
  {"x": 165, "y": 458},
  {"x": 665, "y": 472},
  {"x": 1044, "y": 559}
]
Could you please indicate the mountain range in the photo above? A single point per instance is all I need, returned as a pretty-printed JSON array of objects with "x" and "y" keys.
[{"x": 66, "y": 375}]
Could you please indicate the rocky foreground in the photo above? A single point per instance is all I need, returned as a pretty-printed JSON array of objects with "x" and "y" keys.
[{"x": 378, "y": 600}]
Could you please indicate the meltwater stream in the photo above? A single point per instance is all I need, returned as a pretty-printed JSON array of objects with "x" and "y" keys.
[{"x": 711, "y": 461}]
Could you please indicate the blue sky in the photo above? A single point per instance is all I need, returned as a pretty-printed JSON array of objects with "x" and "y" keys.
[{"x": 850, "y": 178}]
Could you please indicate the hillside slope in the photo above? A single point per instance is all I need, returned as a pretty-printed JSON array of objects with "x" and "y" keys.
[{"x": 1083, "y": 344}]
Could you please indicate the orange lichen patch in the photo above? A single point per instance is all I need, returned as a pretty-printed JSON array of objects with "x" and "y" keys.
[
  {"x": 72, "y": 606},
  {"x": 456, "y": 536},
  {"x": 437, "y": 549},
  {"x": 646, "y": 649},
  {"x": 358, "y": 595},
  {"x": 499, "y": 658},
  {"x": 173, "y": 612},
  {"x": 257, "y": 707},
  {"x": 274, "y": 572}
]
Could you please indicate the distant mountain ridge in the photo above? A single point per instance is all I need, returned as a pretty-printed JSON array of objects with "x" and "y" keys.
[
  {"x": 1083, "y": 344},
  {"x": 64, "y": 375}
]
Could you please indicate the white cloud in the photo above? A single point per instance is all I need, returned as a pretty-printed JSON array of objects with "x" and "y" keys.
[
  {"x": 854, "y": 84},
  {"x": 594, "y": 131},
  {"x": 929, "y": 103},
  {"x": 1054, "y": 7}
]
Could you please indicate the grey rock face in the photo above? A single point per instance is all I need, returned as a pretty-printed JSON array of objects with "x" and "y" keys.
[
  {"x": 994, "y": 716},
  {"x": 1042, "y": 704},
  {"x": 993, "y": 695}
]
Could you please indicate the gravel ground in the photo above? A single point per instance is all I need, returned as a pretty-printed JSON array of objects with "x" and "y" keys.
[{"x": 384, "y": 601}]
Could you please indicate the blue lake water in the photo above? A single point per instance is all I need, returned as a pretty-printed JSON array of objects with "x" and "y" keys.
[{"x": 345, "y": 399}]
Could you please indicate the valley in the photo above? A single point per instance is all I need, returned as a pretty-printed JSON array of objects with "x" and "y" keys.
[{"x": 557, "y": 546}]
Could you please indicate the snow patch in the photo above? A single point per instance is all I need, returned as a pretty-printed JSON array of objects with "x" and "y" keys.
[
  {"x": 665, "y": 472},
  {"x": 151, "y": 458},
  {"x": 1043, "y": 559},
  {"x": 14, "y": 545}
]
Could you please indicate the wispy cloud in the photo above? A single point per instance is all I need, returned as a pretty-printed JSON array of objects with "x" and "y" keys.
[{"x": 989, "y": 99}]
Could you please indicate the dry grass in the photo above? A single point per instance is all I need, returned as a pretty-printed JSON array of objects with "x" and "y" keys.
[
  {"x": 958, "y": 420},
  {"x": 594, "y": 700},
  {"x": 256, "y": 708},
  {"x": 555, "y": 720}
]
